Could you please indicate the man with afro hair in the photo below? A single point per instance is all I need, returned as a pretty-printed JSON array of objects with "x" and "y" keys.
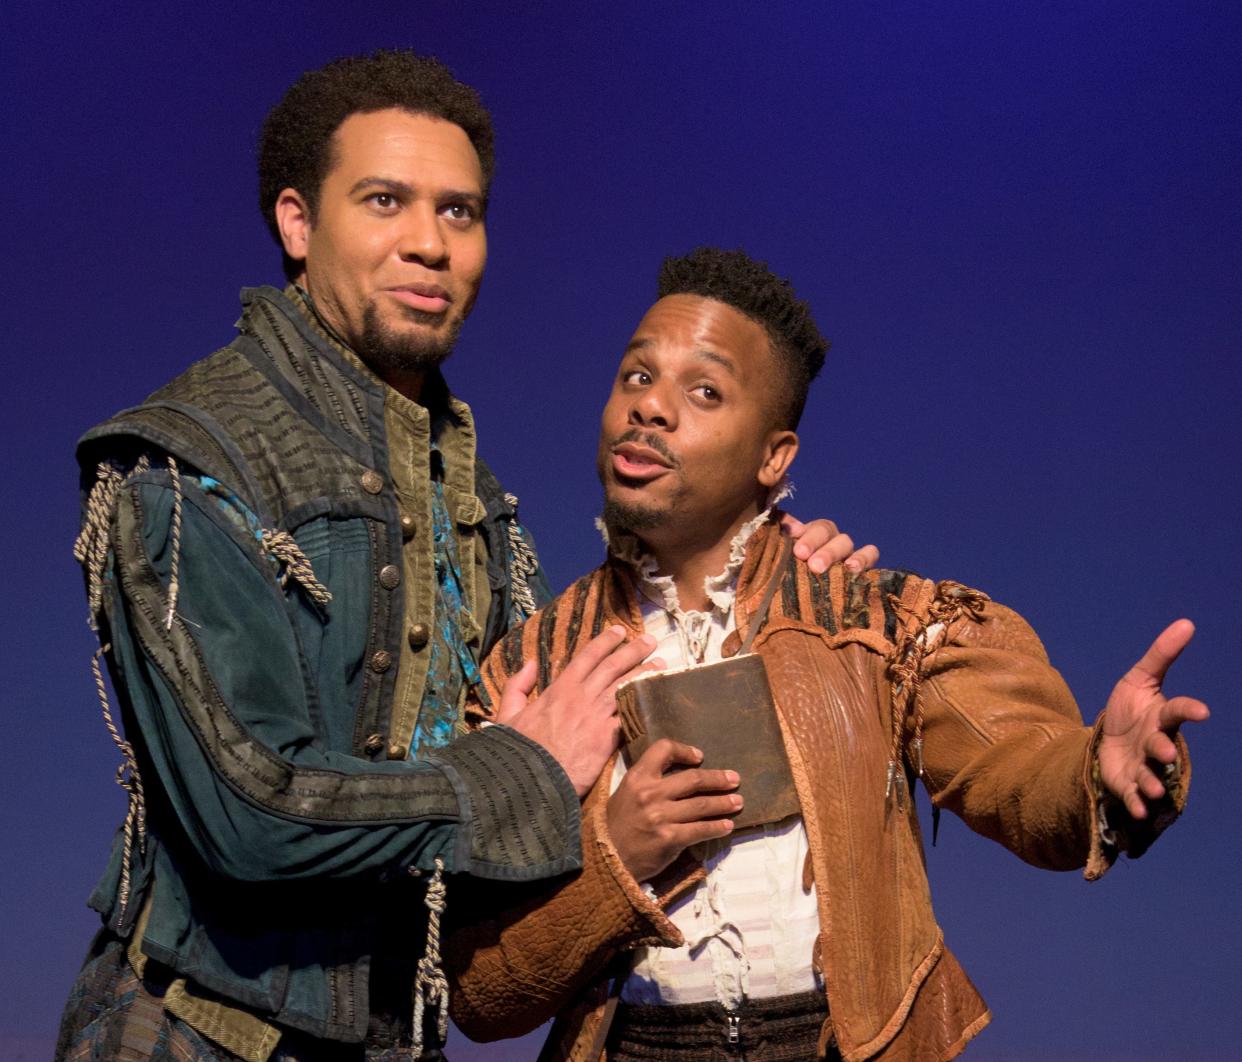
[
  {"x": 295, "y": 562},
  {"x": 807, "y": 932}
]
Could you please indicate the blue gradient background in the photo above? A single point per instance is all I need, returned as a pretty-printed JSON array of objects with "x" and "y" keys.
[{"x": 1019, "y": 224}]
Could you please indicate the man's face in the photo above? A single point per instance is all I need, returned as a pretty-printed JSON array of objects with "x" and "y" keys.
[
  {"x": 687, "y": 447},
  {"x": 395, "y": 253}
]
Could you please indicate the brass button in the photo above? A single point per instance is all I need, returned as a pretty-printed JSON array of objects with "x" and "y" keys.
[
  {"x": 396, "y": 752},
  {"x": 390, "y": 577},
  {"x": 731, "y": 645},
  {"x": 408, "y": 526},
  {"x": 374, "y": 744},
  {"x": 381, "y": 661},
  {"x": 419, "y": 635},
  {"x": 372, "y": 482}
]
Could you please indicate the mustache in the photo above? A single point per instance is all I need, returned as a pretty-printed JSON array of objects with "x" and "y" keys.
[{"x": 649, "y": 439}]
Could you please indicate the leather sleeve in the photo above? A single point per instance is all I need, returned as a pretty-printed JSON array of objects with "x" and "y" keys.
[
  {"x": 513, "y": 968},
  {"x": 1005, "y": 748},
  {"x": 515, "y": 965}
]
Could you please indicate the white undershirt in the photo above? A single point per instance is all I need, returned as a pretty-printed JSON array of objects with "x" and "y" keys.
[{"x": 749, "y": 927}]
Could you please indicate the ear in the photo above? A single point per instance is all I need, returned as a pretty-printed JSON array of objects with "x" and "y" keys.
[
  {"x": 293, "y": 219},
  {"x": 778, "y": 454}
]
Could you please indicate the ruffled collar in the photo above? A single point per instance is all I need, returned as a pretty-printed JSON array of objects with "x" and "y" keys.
[{"x": 720, "y": 589}]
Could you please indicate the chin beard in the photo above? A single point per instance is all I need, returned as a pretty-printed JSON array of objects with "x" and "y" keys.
[
  {"x": 636, "y": 519},
  {"x": 386, "y": 351}
]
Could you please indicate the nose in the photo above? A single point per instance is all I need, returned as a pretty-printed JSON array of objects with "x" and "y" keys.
[
  {"x": 422, "y": 239},
  {"x": 653, "y": 407}
]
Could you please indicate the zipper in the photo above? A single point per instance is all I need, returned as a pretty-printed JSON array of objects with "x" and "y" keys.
[{"x": 731, "y": 1031}]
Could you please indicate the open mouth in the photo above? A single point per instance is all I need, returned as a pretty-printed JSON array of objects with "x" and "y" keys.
[{"x": 632, "y": 461}]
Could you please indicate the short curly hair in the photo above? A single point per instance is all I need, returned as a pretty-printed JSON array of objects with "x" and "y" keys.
[
  {"x": 296, "y": 142},
  {"x": 737, "y": 280}
]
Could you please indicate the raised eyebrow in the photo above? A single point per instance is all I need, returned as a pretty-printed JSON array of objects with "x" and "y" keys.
[
  {"x": 637, "y": 344},
  {"x": 717, "y": 359}
]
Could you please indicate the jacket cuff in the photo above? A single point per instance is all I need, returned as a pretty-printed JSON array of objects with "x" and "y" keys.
[
  {"x": 647, "y": 906},
  {"x": 1113, "y": 830},
  {"x": 520, "y": 815}
]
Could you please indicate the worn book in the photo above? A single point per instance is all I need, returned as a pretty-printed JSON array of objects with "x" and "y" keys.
[{"x": 725, "y": 709}]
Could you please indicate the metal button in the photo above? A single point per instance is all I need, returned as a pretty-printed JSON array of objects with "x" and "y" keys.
[
  {"x": 390, "y": 577},
  {"x": 381, "y": 660},
  {"x": 396, "y": 752},
  {"x": 419, "y": 635},
  {"x": 408, "y": 526},
  {"x": 374, "y": 744},
  {"x": 372, "y": 482}
]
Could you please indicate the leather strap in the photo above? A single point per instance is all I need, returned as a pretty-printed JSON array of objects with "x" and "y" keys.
[{"x": 761, "y": 615}]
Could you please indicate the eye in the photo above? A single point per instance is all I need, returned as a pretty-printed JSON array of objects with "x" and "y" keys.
[
  {"x": 462, "y": 213},
  {"x": 636, "y": 378},
  {"x": 385, "y": 201},
  {"x": 707, "y": 392}
]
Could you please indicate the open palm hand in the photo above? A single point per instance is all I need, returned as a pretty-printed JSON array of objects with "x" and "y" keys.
[{"x": 1140, "y": 723}]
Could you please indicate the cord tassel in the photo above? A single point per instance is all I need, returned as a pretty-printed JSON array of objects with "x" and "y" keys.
[{"x": 430, "y": 984}]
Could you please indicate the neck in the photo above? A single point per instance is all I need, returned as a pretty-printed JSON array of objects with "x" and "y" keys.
[
  {"x": 692, "y": 561},
  {"x": 407, "y": 382}
]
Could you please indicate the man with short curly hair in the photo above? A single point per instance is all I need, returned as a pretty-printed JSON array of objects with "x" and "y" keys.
[
  {"x": 807, "y": 933},
  {"x": 295, "y": 563}
]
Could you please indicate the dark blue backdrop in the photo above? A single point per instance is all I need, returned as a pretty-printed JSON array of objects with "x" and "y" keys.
[{"x": 1019, "y": 224}]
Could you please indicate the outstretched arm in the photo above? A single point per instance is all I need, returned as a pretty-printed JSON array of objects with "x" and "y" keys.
[{"x": 1140, "y": 724}]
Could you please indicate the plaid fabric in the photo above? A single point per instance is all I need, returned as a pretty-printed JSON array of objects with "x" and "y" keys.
[{"x": 114, "y": 1014}]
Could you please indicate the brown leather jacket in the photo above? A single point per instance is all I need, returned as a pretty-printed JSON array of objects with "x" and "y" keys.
[{"x": 865, "y": 669}]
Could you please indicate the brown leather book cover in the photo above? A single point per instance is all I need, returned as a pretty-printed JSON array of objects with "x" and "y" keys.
[{"x": 725, "y": 709}]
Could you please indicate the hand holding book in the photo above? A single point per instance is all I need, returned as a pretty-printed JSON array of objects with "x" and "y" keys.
[{"x": 654, "y": 816}]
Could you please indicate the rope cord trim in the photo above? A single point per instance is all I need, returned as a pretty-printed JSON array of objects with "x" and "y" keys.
[
  {"x": 920, "y": 638},
  {"x": 522, "y": 563},
  {"x": 430, "y": 984},
  {"x": 281, "y": 545},
  {"x": 90, "y": 549}
]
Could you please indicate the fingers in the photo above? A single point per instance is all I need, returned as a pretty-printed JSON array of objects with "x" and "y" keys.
[
  {"x": 516, "y": 690},
  {"x": 622, "y": 663},
  {"x": 791, "y": 526},
  {"x": 862, "y": 559},
  {"x": 590, "y": 655},
  {"x": 666, "y": 753},
  {"x": 1167, "y": 647},
  {"x": 811, "y": 538},
  {"x": 653, "y": 663},
  {"x": 686, "y": 783},
  {"x": 702, "y": 809},
  {"x": 1159, "y": 747},
  {"x": 1134, "y": 804},
  {"x": 1179, "y": 710},
  {"x": 708, "y": 830},
  {"x": 820, "y": 544}
]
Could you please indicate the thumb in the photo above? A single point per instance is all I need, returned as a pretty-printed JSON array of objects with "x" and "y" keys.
[
  {"x": 517, "y": 689},
  {"x": 1167, "y": 647}
]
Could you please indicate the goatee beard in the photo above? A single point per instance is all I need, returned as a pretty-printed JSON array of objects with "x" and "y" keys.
[
  {"x": 387, "y": 351},
  {"x": 635, "y": 519}
]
